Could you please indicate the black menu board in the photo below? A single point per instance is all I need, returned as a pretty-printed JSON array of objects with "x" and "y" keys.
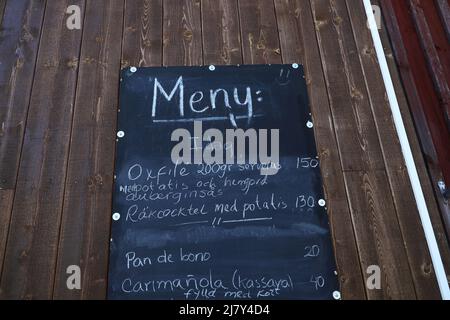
[{"x": 192, "y": 230}]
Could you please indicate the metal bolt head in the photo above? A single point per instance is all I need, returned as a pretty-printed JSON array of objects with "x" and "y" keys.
[
  {"x": 321, "y": 202},
  {"x": 336, "y": 295},
  {"x": 295, "y": 65},
  {"x": 120, "y": 134},
  {"x": 443, "y": 189},
  {"x": 133, "y": 69},
  {"x": 212, "y": 68},
  {"x": 309, "y": 124},
  {"x": 116, "y": 216}
]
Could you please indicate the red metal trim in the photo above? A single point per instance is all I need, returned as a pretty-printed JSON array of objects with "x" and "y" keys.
[
  {"x": 412, "y": 34},
  {"x": 429, "y": 42},
  {"x": 416, "y": 61}
]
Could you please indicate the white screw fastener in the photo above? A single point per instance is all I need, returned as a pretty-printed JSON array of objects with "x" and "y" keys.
[
  {"x": 321, "y": 202},
  {"x": 120, "y": 134},
  {"x": 116, "y": 216},
  {"x": 133, "y": 69},
  {"x": 336, "y": 295},
  {"x": 212, "y": 68},
  {"x": 309, "y": 124},
  {"x": 295, "y": 65}
]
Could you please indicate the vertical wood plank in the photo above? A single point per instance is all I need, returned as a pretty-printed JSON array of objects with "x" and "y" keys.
[
  {"x": 408, "y": 70},
  {"x": 30, "y": 257},
  {"x": 421, "y": 159},
  {"x": 86, "y": 219},
  {"x": 298, "y": 44},
  {"x": 408, "y": 216},
  {"x": 142, "y": 38},
  {"x": 19, "y": 37},
  {"x": 380, "y": 243},
  {"x": 355, "y": 130},
  {"x": 221, "y": 39},
  {"x": 414, "y": 99},
  {"x": 182, "y": 34},
  {"x": 423, "y": 98},
  {"x": 364, "y": 166},
  {"x": 260, "y": 43}
]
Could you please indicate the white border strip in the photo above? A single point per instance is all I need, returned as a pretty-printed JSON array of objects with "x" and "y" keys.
[{"x": 409, "y": 160}]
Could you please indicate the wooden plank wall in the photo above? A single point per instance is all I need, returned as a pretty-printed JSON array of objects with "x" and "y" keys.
[
  {"x": 59, "y": 97},
  {"x": 419, "y": 34},
  {"x": 20, "y": 34}
]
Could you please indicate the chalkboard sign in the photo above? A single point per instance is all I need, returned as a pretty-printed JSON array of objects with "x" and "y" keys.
[{"x": 191, "y": 230}]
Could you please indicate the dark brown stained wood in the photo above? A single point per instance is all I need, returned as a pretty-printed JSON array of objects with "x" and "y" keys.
[
  {"x": 30, "y": 256},
  {"x": 408, "y": 216},
  {"x": 298, "y": 44},
  {"x": 418, "y": 156},
  {"x": 6, "y": 200},
  {"x": 182, "y": 34},
  {"x": 354, "y": 127},
  {"x": 142, "y": 34},
  {"x": 378, "y": 234},
  {"x": 221, "y": 39},
  {"x": 19, "y": 38},
  {"x": 85, "y": 228},
  {"x": 435, "y": 66},
  {"x": 418, "y": 129},
  {"x": 260, "y": 43},
  {"x": 58, "y": 123},
  {"x": 413, "y": 138},
  {"x": 387, "y": 234}
]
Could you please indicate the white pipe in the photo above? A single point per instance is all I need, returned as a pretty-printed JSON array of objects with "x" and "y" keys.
[{"x": 409, "y": 160}]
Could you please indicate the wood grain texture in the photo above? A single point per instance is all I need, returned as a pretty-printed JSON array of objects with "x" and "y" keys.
[
  {"x": 408, "y": 216},
  {"x": 182, "y": 34},
  {"x": 221, "y": 38},
  {"x": 19, "y": 38},
  {"x": 298, "y": 44},
  {"x": 142, "y": 34},
  {"x": 416, "y": 98},
  {"x": 6, "y": 200},
  {"x": 30, "y": 257},
  {"x": 59, "y": 213},
  {"x": 437, "y": 64},
  {"x": 354, "y": 125},
  {"x": 86, "y": 219},
  {"x": 383, "y": 229},
  {"x": 260, "y": 43},
  {"x": 378, "y": 234},
  {"x": 419, "y": 158}
]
